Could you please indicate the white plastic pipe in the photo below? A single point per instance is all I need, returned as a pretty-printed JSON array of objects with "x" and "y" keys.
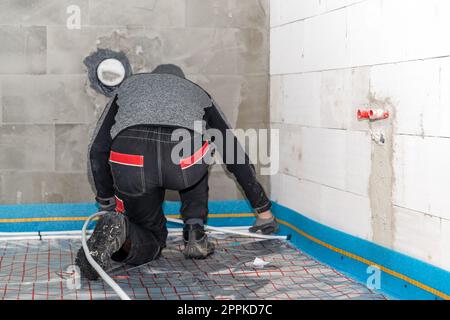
[
  {"x": 48, "y": 235},
  {"x": 117, "y": 289},
  {"x": 232, "y": 231},
  {"x": 42, "y": 234},
  {"x": 19, "y": 238},
  {"x": 111, "y": 72},
  {"x": 378, "y": 114}
]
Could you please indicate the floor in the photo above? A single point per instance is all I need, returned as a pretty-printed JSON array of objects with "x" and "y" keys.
[{"x": 42, "y": 270}]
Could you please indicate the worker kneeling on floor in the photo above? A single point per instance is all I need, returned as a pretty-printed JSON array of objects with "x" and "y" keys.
[{"x": 132, "y": 163}]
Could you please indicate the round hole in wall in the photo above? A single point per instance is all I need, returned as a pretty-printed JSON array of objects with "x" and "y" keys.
[{"x": 111, "y": 72}]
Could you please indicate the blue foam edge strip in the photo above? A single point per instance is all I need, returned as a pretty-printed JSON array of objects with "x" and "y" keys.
[{"x": 418, "y": 270}]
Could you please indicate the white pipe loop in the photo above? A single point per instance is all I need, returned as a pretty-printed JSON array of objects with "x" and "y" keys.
[
  {"x": 235, "y": 232},
  {"x": 117, "y": 289}
]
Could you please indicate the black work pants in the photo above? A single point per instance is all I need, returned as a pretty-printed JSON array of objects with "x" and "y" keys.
[{"x": 143, "y": 166}]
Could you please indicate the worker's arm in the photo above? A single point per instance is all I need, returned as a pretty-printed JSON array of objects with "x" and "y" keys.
[
  {"x": 98, "y": 157},
  {"x": 244, "y": 172}
]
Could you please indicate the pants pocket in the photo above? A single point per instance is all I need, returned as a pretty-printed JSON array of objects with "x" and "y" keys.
[
  {"x": 128, "y": 173},
  {"x": 194, "y": 167}
]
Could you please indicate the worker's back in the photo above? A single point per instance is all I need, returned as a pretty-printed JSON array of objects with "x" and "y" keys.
[{"x": 159, "y": 99}]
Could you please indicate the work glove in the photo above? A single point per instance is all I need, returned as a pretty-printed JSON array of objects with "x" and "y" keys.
[
  {"x": 106, "y": 204},
  {"x": 266, "y": 226}
]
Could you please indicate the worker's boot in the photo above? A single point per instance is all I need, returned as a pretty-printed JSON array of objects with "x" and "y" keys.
[
  {"x": 196, "y": 244},
  {"x": 108, "y": 237},
  {"x": 265, "y": 226}
]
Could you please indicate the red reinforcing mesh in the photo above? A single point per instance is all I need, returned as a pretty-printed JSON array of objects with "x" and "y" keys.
[{"x": 41, "y": 270}]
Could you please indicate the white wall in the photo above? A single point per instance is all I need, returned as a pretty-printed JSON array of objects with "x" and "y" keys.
[{"x": 330, "y": 57}]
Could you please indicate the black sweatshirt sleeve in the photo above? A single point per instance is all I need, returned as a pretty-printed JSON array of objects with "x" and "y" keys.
[
  {"x": 99, "y": 150},
  {"x": 243, "y": 171}
]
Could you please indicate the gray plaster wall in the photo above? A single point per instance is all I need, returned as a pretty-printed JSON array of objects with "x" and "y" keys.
[{"x": 47, "y": 108}]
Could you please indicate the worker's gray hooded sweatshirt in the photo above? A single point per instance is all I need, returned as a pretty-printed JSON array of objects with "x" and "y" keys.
[{"x": 164, "y": 97}]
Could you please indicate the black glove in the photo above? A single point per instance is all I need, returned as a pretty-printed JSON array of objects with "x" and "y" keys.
[
  {"x": 108, "y": 204},
  {"x": 266, "y": 226}
]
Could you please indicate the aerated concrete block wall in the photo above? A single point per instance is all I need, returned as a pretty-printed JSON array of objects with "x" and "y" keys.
[
  {"x": 331, "y": 57},
  {"x": 47, "y": 107}
]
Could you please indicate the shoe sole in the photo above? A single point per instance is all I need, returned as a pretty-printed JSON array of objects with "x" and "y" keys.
[
  {"x": 101, "y": 241},
  {"x": 197, "y": 252}
]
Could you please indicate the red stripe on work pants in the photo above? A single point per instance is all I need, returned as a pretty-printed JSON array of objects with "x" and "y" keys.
[
  {"x": 120, "y": 207},
  {"x": 126, "y": 159},
  {"x": 196, "y": 157}
]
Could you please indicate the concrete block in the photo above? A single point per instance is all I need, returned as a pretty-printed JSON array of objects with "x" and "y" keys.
[
  {"x": 327, "y": 99},
  {"x": 44, "y": 99},
  {"x": 439, "y": 177},
  {"x": 346, "y": 212},
  {"x": 287, "y": 48},
  {"x": 41, "y": 12},
  {"x": 336, "y": 98},
  {"x": 286, "y": 11},
  {"x": 421, "y": 169},
  {"x": 95, "y": 109},
  {"x": 71, "y": 148},
  {"x": 296, "y": 194},
  {"x": 275, "y": 12},
  {"x": 167, "y": 13},
  {"x": 299, "y": 99},
  {"x": 412, "y": 89},
  {"x": 445, "y": 231},
  {"x": 218, "y": 167},
  {"x": 425, "y": 23},
  {"x": 254, "y": 102},
  {"x": 276, "y": 103},
  {"x": 326, "y": 42},
  {"x": 437, "y": 117},
  {"x": 223, "y": 187},
  {"x": 23, "y": 49},
  {"x": 226, "y": 91},
  {"x": 216, "y": 51},
  {"x": 1, "y": 99},
  {"x": 290, "y": 150},
  {"x": 365, "y": 32},
  {"x": 258, "y": 152},
  {"x": 253, "y": 47},
  {"x": 381, "y": 32},
  {"x": 329, "y": 5},
  {"x": 358, "y": 154},
  {"x": 335, "y": 208},
  {"x": 336, "y": 158},
  {"x": 360, "y": 96},
  {"x": 228, "y": 13},
  {"x": 45, "y": 187},
  {"x": 243, "y": 99},
  {"x": 323, "y": 155},
  {"x": 27, "y": 147},
  {"x": 410, "y": 167},
  {"x": 375, "y": 34},
  {"x": 418, "y": 235},
  {"x": 68, "y": 48}
]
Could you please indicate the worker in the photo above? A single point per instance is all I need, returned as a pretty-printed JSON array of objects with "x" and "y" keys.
[{"x": 131, "y": 165}]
